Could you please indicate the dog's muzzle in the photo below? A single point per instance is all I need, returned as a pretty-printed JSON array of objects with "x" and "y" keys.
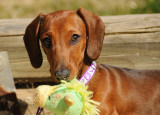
[{"x": 62, "y": 74}]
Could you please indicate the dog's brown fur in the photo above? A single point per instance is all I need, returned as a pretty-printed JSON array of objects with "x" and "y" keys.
[{"x": 120, "y": 91}]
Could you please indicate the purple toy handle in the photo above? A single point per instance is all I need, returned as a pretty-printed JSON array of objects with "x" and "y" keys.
[{"x": 39, "y": 111}]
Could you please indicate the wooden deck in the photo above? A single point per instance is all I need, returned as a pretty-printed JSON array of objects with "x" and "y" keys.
[{"x": 131, "y": 41}]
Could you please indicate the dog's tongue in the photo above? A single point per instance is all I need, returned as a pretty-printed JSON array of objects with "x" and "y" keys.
[{"x": 39, "y": 111}]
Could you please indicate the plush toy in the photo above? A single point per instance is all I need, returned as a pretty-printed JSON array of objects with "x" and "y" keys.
[{"x": 68, "y": 98}]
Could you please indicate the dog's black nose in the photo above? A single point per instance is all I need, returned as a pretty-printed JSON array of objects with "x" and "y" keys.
[{"x": 62, "y": 74}]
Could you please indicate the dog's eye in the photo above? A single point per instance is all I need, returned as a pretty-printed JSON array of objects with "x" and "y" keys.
[
  {"x": 75, "y": 39},
  {"x": 47, "y": 42}
]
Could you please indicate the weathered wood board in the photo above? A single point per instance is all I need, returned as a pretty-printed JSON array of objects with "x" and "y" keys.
[{"x": 131, "y": 41}]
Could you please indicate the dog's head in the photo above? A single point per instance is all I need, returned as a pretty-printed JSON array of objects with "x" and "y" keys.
[{"x": 67, "y": 38}]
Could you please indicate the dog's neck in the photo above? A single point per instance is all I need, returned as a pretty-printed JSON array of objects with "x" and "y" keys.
[
  {"x": 84, "y": 68},
  {"x": 87, "y": 76}
]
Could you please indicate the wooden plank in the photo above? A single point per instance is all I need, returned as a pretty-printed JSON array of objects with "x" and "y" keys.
[
  {"x": 19, "y": 61},
  {"x": 131, "y": 55},
  {"x": 122, "y": 24},
  {"x": 133, "y": 38},
  {"x": 132, "y": 23},
  {"x": 132, "y": 28},
  {"x": 130, "y": 41},
  {"x": 13, "y": 27}
]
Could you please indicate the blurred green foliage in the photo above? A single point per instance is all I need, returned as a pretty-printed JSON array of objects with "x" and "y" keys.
[
  {"x": 149, "y": 6},
  {"x": 31, "y": 8}
]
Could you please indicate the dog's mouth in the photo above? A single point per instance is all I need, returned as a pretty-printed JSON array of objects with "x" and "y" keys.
[{"x": 59, "y": 78}]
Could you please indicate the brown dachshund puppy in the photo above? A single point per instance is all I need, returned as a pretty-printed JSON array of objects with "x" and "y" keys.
[{"x": 71, "y": 41}]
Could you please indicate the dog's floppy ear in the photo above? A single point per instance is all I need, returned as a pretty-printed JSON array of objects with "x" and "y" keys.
[
  {"x": 31, "y": 40},
  {"x": 95, "y": 31}
]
